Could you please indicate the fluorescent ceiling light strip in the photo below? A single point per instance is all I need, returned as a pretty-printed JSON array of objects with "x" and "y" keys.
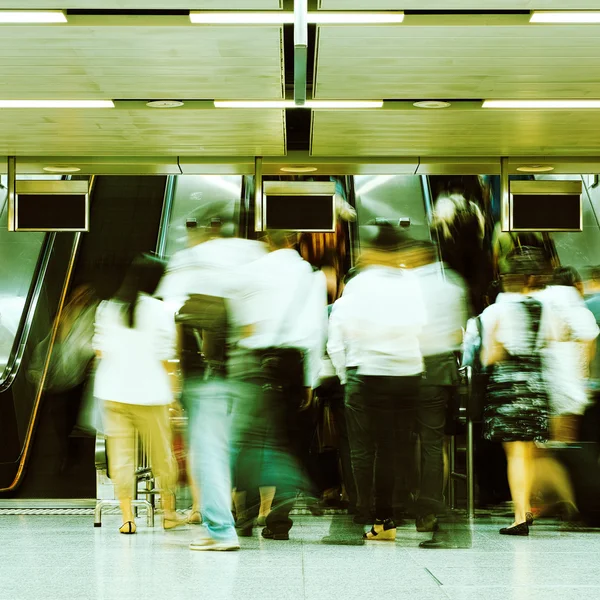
[
  {"x": 576, "y": 104},
  {"x": 32, "y": 16},
  {"x": 316, "y": 104},
  {"x": 56, "y": 104},
  {"x": 234, "y": 17},
  {"x": 355, "y": 18},
  {"x": 565, "y": 17}
]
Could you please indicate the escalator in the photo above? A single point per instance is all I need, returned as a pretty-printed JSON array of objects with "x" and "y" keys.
[{"x": 125, "y": 220}]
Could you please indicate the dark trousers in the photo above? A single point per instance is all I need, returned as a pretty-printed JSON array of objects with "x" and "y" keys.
[
  {"x": 431, "y": 419},
  {"x": 269, "y": 440},
  {"x": 332, "y": 392},
  {"x": 380, "y": 413}
]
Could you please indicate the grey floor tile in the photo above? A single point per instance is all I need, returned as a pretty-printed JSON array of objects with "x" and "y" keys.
[{"x": 523, "y": 593}]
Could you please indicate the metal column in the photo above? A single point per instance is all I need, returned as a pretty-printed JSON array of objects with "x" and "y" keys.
[
  {"x": 504, "y": 195},
  {"x": 258, "y": 194}
]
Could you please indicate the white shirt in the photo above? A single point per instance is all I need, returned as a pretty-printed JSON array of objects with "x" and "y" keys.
[
  {"x": 446, "y": 307},
  {"x": 207, "y": 268},
  {"x": 130, "y": 369},
  {"x": 281, "y": 302},
  {"x": 375, "y": 325},
  {"x": 565, "y": 359}
]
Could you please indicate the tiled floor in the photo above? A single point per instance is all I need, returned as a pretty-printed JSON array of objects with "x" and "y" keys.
[{"x": 64, "y": 557}]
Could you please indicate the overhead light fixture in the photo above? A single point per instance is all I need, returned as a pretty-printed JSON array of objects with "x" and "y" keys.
[
  {"x": 432, "y": 104},
  {"x": 298, "y": 169},
  {"x": 164, "y": 103},
  {"x": 355, "y": 18},
  {"x": 315, "y": 104},
  {"x": 575, "y": 104},
  {"x": 552, "y": 16},
  {"x": 57, "y": 104},
  {"x": 234, "y": 17},
  {"x": 32, "y": 16},
  {"x": 59, "y": 169},
  {"x": 535, "y": 169}
]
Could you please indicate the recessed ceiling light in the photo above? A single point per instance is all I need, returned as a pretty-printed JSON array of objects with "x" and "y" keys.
[
  {"x": 575, "y": 104},
  {"x": 32, "y": 16},
  {"x": 59, "y": 169},
  {"x": 316, "y": 104},
  {"x": 432, "y": 104},
  {"x": 56, "y": 104},
  {"x": 298, "y": 169},
  {"x": 551, "y": 16},
  {"x": 535, "y": 169},
  {"x": 164, "y": 103}
]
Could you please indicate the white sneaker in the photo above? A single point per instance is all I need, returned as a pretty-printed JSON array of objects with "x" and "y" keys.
[{"x": 211, "y": 544}]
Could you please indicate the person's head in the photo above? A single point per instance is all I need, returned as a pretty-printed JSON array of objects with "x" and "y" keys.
[
  {"x": 280, "y": 239},
  {"x": 143, "y": 277},
  {"x": 568, "y": 277},
  {"x": 525, "y": 270},
  {"x": 419, "y": 254},
  {"x": 382, "y": 243},
  {"x": 592, "y": 280}
]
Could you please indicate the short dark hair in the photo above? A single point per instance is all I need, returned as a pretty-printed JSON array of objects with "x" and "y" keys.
[
  {"x": 281, "y": 238},
  {"x": 567, "y": 276},
  {"x": 380, "y": 234}
]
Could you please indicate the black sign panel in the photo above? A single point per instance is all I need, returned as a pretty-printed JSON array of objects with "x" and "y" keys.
[
  {"x": 300, "y": 213},
  {"x": 51, "y": 212},
  {"x": 546, "y": 212}
]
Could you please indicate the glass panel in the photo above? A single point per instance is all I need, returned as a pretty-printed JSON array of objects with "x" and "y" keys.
[
  {"x": 392, "y": 197},
  {"x": 192, "y": 192},
  {"x": 19, "y": 252}
]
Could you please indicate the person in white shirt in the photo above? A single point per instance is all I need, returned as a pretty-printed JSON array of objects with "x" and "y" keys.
[
  {"x": 445, "y": 300},
  {"x": 374, "y": 345},
  {"x": 567, "y": 360},
  {"x": 207, "y": 272},
  {"x": 279, "y": 309},
  {"x": 134, "y": 340}
]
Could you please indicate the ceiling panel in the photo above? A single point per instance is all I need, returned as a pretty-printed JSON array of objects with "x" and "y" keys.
[
  {"x": 137, "y": 61},
  {"x": 475, "y": 132},
  {"x": 143, "y": 4},
  {"x": 463, "y": 61},
  {"x": 458, "y": 4},
  {"x": 142, "y": 132}
]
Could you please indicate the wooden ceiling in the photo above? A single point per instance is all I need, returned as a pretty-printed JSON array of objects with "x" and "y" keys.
[{"x": 464, "y": 58}]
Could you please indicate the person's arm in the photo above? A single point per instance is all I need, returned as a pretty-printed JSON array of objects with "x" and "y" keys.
[
  {"x": 492, "y": 351},
  {"x": 336, "y": 347},
  {"x": 99, "y": 338}
]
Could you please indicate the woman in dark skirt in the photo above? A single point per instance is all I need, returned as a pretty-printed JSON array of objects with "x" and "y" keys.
[{"x": 516, "y": 329}]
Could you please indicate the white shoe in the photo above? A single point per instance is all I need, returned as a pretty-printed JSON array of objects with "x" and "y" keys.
[{"x": 211, "y": 544}]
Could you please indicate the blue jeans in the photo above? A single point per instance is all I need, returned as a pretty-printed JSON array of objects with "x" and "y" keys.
[{"x": 209, "y": 405}]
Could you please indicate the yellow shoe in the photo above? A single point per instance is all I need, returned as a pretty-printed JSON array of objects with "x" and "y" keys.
[
  {"x": 382, "y": 531},
  {"x": 127, "y": 528},
  {"x": 195, "y": 518},
  {"x": 173, "y": 520}
]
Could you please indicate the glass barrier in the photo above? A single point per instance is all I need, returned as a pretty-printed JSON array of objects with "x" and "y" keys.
[
  {"x": 191, "y": 194},
  {"x": 19, "y": 253}
]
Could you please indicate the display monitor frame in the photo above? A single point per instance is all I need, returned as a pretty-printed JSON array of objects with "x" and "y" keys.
[
  {"x": 545, "y": 188},
  {"x": 50, "y": 189},
  {"x": 296, "y": 190}
]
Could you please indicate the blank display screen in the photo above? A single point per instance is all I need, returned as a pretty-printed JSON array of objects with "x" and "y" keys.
[
  {"x": 300, "y": 213},
  {"x": 44, "y": 212},
  {"x": 535, "y": 212}
]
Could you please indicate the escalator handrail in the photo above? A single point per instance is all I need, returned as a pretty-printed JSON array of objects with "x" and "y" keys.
[{"x": 31, "y": 303}]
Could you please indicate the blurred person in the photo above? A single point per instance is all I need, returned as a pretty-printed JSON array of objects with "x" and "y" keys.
[
  {"x": 567, "y": 360},
  {"x": 517, "y": 329},
  {"x": 204, "y": 273},
  {"x": 279, "y": 309},
  {"x": 374, "y": 346},
  {"x": 591, "y": 421},
  {"x": 445, "y": 300},
  {"x": 134, "y": 340}
]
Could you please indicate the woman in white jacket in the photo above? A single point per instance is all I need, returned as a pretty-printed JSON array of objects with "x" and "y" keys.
[{"x": 135, "y": 338}]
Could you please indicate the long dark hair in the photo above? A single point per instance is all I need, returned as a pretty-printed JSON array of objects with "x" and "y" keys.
[{"x": 143, "y": 277}]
